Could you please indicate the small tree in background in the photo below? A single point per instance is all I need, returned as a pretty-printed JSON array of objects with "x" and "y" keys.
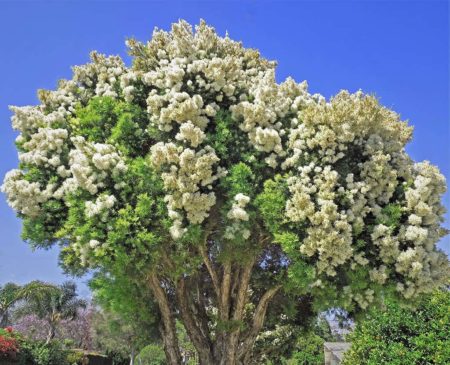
[
  {"x": 32, "y": 327},
  {"x": 11, "y": 294},
  {"x": 78, "y": 330},
  {"x": 61, "y": 303},
  {"x": 8, "y": 297},
  {"x": 152, "y": 355},
  {"x": 226, "y": 194}
]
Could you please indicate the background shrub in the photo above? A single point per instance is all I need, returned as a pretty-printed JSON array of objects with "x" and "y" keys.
[
  {"x": 42, "y": 353},
  {"x": 152, "y": 355},
  {"x": 308, "y": 350},
  {"x": 398, "y": 336}
]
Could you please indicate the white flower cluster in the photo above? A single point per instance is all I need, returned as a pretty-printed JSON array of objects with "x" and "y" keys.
[
  {"x": 265, "y": 118},
  {"x": 24, "y": 196},
  {"x": 335, "y": 207},
  {"x": 189, "y": 132},
  {"x": 275, "y": 337},
  {"x": 379, "y": 275},
  {"x": 127, "y": 81},
  {"x": 101, "y": 75},
  {"x": 422, "y": 266},
  {"x": 101, "y": 204},
  {"x": 45, "y": 147},
  {"x": 329, "y": 233},
  {"x": 363, "y": 299},
  {"x": 92, "y": 163},
  {"x": 190, "y": 76},
  {"x": 29, "y": 119},
  {"x": 186, "y": 172},
  {"x": 63, "y": 100},
  {"x": 237, "y": 214},
  {"x": 186, "y": 68},
  {"x": 189, "y": 68}
]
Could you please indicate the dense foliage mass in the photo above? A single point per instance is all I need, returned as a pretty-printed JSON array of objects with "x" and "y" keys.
[
  {"x": 397, "y": 335},
  {"x": 220, "y": 189}
]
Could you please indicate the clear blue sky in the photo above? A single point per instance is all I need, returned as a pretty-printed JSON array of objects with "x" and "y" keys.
[{"x": 397, "y": 50}]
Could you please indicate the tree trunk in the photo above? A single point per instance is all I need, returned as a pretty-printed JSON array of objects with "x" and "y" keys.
[
  {"x": 167, "y": 329},
  {"x": 222, "y": 285},
  {"x": 51, "y": 333},
  {"x": 4, "y": 319},
  {"x": 132, "y": 356},
  {"x": 199, "y": 339}
]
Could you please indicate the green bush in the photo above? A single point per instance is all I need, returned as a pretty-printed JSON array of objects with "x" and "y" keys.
[
  {"x": 75, "y": 357},
  {"x": 308, "y": 351},
  {"x": 152, "y": 355},
  {"x": 41, "y": 353},
  {"x": 398, "y": 336}
]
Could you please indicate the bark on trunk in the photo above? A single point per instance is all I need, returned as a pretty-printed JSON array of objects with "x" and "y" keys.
[
  {"x": 229, "y": 284},
  {"x": 198, "y": 338},
  {"x": 245, "y": 348},
  {"x": 168, "y": 330},
  {"x": 51, "y": 333},
  {"x": 230, "y": 355}
]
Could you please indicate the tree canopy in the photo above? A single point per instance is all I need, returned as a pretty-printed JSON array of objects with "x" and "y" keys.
[{"x": 222, "y": 190}]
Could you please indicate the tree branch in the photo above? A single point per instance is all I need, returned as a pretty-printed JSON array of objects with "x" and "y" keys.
[
  {"x": 233, "y": 337},
  {"x": 200, "y": 311},
  {"x": 211, "y": 270},
  {"x": 258, "y": 321},
  {"x": 224, "y": 305}
]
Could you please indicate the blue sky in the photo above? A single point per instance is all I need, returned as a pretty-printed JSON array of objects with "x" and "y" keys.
[{"x": 397, "y": 50}]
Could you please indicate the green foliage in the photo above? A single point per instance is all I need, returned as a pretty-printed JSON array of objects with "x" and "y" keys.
[
  {"x": 95, "y": 120},
  {"x": 129, "y": 317},
  {"x": 40, "y": 231},
  {"x": 42, "y": 353},
  {"x": 122, "y": 294},
  {"x": 271, "y": 203},
  {"x": 128, "y": 133},
  {"x": 75, "y": 357},
  {"x": 226, "y": 137},
  {"x": 186, "y": 347},
  {"x": 300, "y": 275},
  {"x": 113, "y": 121},
  {"x": 308, "y": 350},
  {"x": 398, "y": 336},
  {"x": 152, "y": 355},
  {"x": 132, "y": 233},
  {"x": 240, "y": 179},
  {"x": 391, "y": 216},
  {"x": 8, "y": 297}
]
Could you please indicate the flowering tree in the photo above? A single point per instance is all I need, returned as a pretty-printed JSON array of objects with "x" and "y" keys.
[
  {"x": 78, "y": 329},
  {"x": 9, "y": 345},
  {"x": 61, "y": 303},
  {"x": 220, "y": 189}
]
